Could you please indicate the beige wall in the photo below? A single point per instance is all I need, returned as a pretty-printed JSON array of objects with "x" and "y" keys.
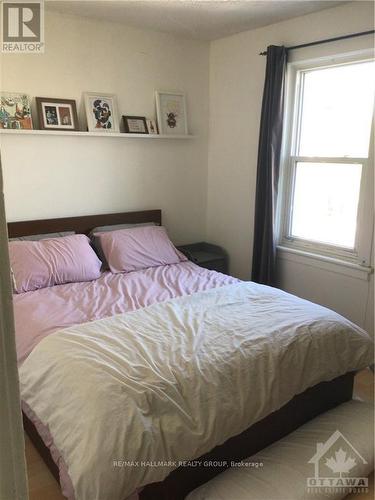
[
  {"x": 236, "y": 88},
  {"x": 61, "y": 176}
]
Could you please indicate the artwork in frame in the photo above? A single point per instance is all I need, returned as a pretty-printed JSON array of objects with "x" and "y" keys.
[
  {"x": 171, "y": 112},
  {"x": 57, "y": 114},
  {"x": 135, "y": 124},
  {"x": 15, "y": 111},
  {"x": 151, "y": 126},
  {"x": 101, "y": 112}
]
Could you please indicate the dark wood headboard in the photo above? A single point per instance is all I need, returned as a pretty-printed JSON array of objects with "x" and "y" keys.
[{"x": 81, "y": 225}]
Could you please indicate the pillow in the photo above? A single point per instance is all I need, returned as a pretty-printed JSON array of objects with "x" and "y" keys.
[
  {"x": 38, "y": 237},
  {"x": 138, "y": 248},
  {"x": 116, "y": 227},
  {"x": 103, "y": 229},
  {"x": 45, "y": 263}
]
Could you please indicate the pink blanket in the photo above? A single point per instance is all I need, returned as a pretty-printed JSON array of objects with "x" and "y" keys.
[{"x": 41, "y": 312}]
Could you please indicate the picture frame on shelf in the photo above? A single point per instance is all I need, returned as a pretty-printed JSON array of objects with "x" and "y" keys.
[
  {"x": 101, "y": 112},
  {"x": 57, "y": 114},
  {"x": 171, "y": 112},
  {"x": 135, "y": 124},
  {"x": 15, "y": 111},
  {"x": 152, "y": 126}
]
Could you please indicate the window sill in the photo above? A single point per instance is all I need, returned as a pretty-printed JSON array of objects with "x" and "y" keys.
[{"x": 324, "y": 262}]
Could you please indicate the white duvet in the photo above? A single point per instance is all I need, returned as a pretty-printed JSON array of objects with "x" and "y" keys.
[{"x": 127, "y": 398}]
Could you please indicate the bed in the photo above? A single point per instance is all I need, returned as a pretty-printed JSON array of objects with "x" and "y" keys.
[{"x": 272, "y": 392}]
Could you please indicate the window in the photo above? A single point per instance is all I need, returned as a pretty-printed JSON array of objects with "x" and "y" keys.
[{"x": 327, "y": 175}]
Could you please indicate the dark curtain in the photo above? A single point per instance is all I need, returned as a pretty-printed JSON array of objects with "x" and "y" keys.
[{"x": 271, "y": 127}]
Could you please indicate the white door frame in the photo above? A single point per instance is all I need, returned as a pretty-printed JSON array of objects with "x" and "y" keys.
[{"x": 13, "y": 479}]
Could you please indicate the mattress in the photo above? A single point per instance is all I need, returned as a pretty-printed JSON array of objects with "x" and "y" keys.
[
  {"x": 292, "y": 469},
  {"x": 155, "y": 381}
]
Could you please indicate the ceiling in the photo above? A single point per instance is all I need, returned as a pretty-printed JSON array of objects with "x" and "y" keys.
[{"x": 197, "y": 19}]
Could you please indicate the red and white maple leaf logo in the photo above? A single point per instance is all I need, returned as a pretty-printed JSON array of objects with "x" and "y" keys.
[{"x": 341, "y": 463}]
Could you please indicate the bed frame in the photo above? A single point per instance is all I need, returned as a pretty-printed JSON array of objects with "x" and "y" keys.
[
  {"x": 181, "y": 481},
  {"x": 81, "y": 225}
]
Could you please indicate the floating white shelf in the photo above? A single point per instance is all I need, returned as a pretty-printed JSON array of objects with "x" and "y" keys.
[{"x": 93, "y": 134}]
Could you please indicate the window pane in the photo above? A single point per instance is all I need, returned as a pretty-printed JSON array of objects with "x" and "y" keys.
[
  {"x": 337, "y": 110},
  {"x": 325, "y": 202}
]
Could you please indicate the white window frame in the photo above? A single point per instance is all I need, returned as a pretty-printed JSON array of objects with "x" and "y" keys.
[{"x": 361, "y": 255}]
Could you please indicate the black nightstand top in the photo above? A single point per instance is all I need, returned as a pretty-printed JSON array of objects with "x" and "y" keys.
[{"x": 206, "y": 255}]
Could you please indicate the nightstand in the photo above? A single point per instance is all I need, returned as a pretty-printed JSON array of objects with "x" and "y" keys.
[{"x": 207, "y": 255}]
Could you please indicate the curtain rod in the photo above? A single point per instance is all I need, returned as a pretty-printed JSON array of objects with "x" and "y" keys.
[{"x": 327, "y": 40}]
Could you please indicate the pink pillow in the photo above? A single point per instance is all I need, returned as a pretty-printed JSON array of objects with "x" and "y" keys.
[
  {"x": 40, "y": 264},
  {"x": 138, "y": 248}
]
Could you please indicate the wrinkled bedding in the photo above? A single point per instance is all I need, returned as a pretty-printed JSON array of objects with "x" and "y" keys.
[
  {"x": 170, "y": 381},
  {"x": 42, "y": 312}
]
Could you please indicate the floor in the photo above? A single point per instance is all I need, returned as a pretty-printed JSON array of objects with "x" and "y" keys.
[{"x": 42, "y": 485}]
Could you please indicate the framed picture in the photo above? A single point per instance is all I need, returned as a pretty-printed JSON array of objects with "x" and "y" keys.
[
  {"x": 151, "y": 126},
  {"x": 57, "y": 114},
  {"x": 15, "y": 111},
  {"x": 171, "y": 112},
  {"x": 101, "y": 112},
  {"x": 135, "y": 124}
]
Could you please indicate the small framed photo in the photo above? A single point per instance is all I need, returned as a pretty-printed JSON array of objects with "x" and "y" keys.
[
  {"x": 15, "y": 111},
  {"x": 151, "y": 126},
  {"x": 57, "y": 114},
  {"x": 171, "y": 112},
  {"x": 101, "y": 112},
  {"x": 135, "y": 124}
]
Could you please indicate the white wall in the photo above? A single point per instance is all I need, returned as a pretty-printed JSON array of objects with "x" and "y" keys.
[
  {"x": 62, "y": 176},
  {"x": 236, "y": 88}
]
